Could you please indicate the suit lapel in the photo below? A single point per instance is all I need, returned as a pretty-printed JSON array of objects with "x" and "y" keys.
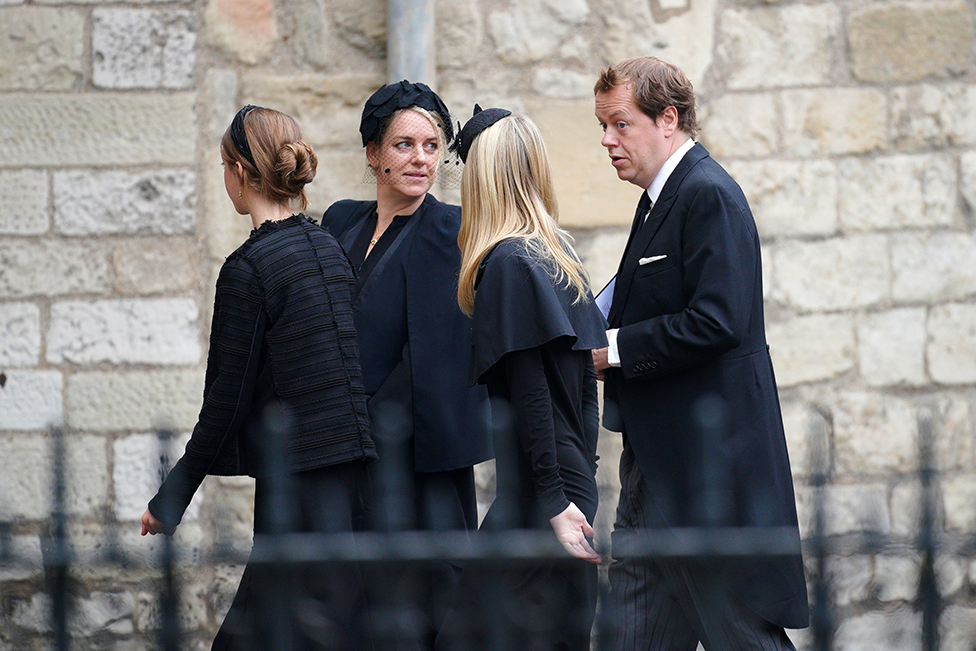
[{"x": 641, "y": 236}]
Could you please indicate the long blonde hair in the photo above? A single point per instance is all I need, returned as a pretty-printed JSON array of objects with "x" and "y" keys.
[{"x": 507, "y": 192}]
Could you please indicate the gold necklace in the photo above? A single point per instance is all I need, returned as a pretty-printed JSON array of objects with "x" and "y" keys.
[{"x": 373, "y": 241}]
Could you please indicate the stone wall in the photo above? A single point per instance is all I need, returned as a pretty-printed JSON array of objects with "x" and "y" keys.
[{"x": 850, "y": 124}]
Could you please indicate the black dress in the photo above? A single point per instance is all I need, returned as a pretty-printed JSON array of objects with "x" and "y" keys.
[{"x": 531, "y": 347}]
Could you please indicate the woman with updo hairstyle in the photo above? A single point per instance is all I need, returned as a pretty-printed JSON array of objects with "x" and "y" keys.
[
  {"x": 534, "y": 323},
  {"x": 283, "y": 397},
  {"x": 430, "y": 428}
]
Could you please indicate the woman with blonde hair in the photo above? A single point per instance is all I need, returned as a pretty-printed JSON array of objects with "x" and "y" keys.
[
  {"x": 283, "y": 397},
  {"x": 534, "y": 324}
]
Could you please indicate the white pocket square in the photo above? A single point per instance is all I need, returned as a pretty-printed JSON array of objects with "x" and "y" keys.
[{"x": 653, "y": 258}]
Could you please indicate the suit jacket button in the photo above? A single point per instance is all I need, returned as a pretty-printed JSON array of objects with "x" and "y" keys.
[{"x": 653, "y": 365}]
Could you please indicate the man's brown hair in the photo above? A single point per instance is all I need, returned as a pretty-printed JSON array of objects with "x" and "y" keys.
[{"x": 657, "y": 85}]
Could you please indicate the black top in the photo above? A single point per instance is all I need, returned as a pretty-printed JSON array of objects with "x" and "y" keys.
[
  {"x": 531, "y": 347},
  {"x": 282, "y": 331},
  {"x": 414, "y": 341}
]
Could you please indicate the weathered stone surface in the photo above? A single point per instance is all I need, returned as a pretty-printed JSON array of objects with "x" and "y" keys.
[
  {"x": 28, "y": 560},
  {"x": 959, "y": 502},
  {"x": 139, "y": 400},
  {"x": 741, "y": 125},
  {"x": 908, "y": 41},
  {"x": 222, "y": 86},
  {"x": 93, "y": 202},
  {"x": 23, "y": 202},
  {"x": 138, "y": 470},
  {"x": 361, "y": 24},
  {"x": 895, "y": 631},
  {"x": 891, "y": 347},
  {"x": 103, "y": 612},
  {"x": 832, "y": 274},
  {"x": 812, "y": 348},
  {"x": 896, "y": 577},
  {"x": 848, "y": 509},
  {"x": 790, "y": 198},
  {"x": 532, "y": 30},
  {"x": 565, "y": 84},
  {"x": 459, "y": 28},
  {"x": 958, "y": 628},
  {"x": 967, "y": 178},
  {"x": 31, "y": 400},
  {"x": 932, "y": 267},
  {"x": 806, "y": 438},
  {"x": 596, "y": 197},
  {"x": 950, "y": 574},
  {"x": 20, "y": 332},
  {"x": 850, "y": 578},
  {"x": 341, "y": 176},
  {"x": 244, "y": 29},
  {"x": 834, "y": 121},
  {"x": 933, "y": 116},
  {"x": 225, "y": 230},
  {"x": 906, "y": 509},
  {"x": 41, "y": 48},
  {"x": 143, "y": 48},
  {"x": 874, "y": 434},
  {"x": 951, "y": 350},
  {"x": 600, "y": 251},
  {"x": 151, "y": 331},
  {"x": 328, "y": 108},
  {"x": 97, "y": 129},
  {"x": 897, "y": 192},
  {"x": 954, "y": 445},
  {"x": 51, "y": 268},
  {"x": 799, "y": 38},
  {"x": 156, "y": 265}
]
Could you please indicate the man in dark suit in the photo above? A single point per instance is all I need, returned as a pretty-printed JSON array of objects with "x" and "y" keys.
[{"x": 689, "y": 382}]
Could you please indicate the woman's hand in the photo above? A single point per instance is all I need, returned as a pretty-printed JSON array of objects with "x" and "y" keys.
[
  {"x": 153, "y": 526},
  {"x": 572, "y": 530}
]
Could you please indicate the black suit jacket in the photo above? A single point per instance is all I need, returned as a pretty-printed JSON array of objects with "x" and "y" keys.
[{"x": 695, "y": 394}]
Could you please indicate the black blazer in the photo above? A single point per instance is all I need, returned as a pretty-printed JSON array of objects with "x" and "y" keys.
[
  {"x": 411, "y": 298},
  {"x": 695, "y": 394}
]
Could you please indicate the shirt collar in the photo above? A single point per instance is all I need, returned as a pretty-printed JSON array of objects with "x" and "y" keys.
[{"x": 654, "y": 189}]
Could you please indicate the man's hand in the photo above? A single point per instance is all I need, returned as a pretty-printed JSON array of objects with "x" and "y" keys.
[
  {"x": 153, "y": 526},
  {"x": 572, "y": 529},
  {"x": 600, "y": 361}
]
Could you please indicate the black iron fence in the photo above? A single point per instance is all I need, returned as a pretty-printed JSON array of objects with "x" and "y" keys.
[{"x": 287, "y": 552}]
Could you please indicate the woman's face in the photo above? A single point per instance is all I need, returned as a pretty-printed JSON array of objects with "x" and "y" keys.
[{"x": 406, "y": 161}]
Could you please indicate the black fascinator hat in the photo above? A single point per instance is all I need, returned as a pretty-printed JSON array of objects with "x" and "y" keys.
[
  {"x": 403, "y": 94},
  {"x": 480, "y": 120}
]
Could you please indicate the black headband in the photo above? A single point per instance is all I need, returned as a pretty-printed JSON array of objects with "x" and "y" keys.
[
  {"x": 480, "y": 120},
  {"x": 238, "y": 135},
  {"x": 393, "y": 97}
]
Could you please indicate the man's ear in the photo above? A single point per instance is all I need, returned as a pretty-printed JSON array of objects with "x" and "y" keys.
[{"x": 668, "y": 120}]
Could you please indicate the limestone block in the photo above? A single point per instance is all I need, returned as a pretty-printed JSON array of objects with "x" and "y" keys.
[
  {"x": 139, "y": 400},
  {"x": 874, "y": 433},
  {"x": 244, "y": 29},
  {"x": 41, "y": 48},
  {"x": 31, "y": 400},
  {"x": 959, "y": 503},
  {"x": 150, "y": 331},
  {"x": 23, "y": 202},
  {"x": 811, "y": 348},
  {"x": 225, "y": 230},
  {"x": 51, "y": 268},
  {"x": 896, "y": 577},
  {"x": 834, "y": 121},
  {"x": 459, "y": 28},
  {"x": 923, "y": 115},
  {"x": 533, "y": 30},
  {"x": 740, "y": 124},
  {"x": 832, "y": 274},
  {"x": 790, "y": 198},
  {"x": 329, "y": 109},
  {"x": 33, "y": 614},
  {"x": 909, "y": 41},
  {"x": 561, "y": 83},
  {"x": 600, "y": 251},
  {"x": 141, "y": 463},
  {"x": 25, "y": 552},
  {"x": 962, "y": 100},
  {"x": 958, "y": 627},
  {"x": 362, "y": 24},
  {"x": 94, "y": 202},
  {"x": 954, "y": 444},
  {"x": 20, "y": 332},
  {"x": 143, "y": 48},
  {"x": 850, "y": 578},
  {"x": 222, "y": 86},
  {"x": 103, "y": 612},
  {"x": 799, "y": 38},
  {"x": 950, "y": 574},
  {"x": 932, "y": 267},
  {"x": 952, "y": 343},
  {"x": 897, "y": 192},
  {"x": 847, "y": 509},
  {"x": 891, "y": 347},
  {"x": 97, "y": 129},
  {"x": 900, "y": 630},
  {"x": 967, "y": 178},
  {"x": 345, "y": 180},
  {"x": 906, "y": 508},
  {"x": 589, "y": 192},
  {"x": 156, "y": 265}
]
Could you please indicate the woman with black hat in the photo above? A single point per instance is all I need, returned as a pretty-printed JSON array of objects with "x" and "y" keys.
[{"x": 430, "y": 428}]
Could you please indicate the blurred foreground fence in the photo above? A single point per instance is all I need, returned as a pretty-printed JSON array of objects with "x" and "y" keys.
[{"x": 289, "y": 551}]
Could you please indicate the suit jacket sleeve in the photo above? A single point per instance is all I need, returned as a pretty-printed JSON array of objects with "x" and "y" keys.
[{"x": 718, "y": 257}]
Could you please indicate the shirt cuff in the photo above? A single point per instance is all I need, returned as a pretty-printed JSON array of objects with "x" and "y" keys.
[{"x": 613, "y": 355}]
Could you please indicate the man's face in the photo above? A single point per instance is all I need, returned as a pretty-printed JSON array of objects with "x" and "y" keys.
[{"x": 637, "y": 145}]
